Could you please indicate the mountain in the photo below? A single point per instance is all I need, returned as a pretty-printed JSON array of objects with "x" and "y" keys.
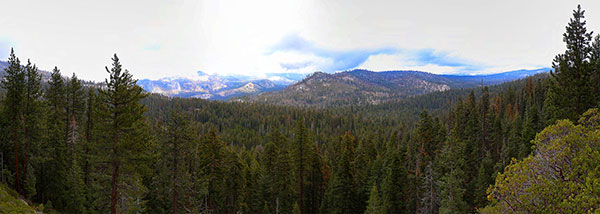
[
  {"x": 367, "y": 87},
  {"x": 4, "y": 64},
  {"x": 493, "y": 79},
  {"x": 219, "y": 87}
]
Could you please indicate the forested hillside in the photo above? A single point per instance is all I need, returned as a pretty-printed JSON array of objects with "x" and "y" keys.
[
  {"x": 362, "y": 87},
  {"x": 527, "y": 146}
]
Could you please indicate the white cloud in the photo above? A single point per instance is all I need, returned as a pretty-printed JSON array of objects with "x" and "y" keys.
[
  {"x": 156, "y": 38},
  {"x": 389, "y": 62}
]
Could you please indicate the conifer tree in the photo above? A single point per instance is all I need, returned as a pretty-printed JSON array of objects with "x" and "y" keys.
[
  {"x": 341, "y": 193},
  {"x": 75, "y": 108},
  {"x": 277, "y": 173},
  {"x": 32, "y": 125},
  {"x": 451, "y": 183},
  {"x": 393, "y": 186},
  {"x": 571, "y": 91},
  {"x": 301, "y": 147},
  {"x": 57, "y": 167},
  {"x": 176, "y": 151},
  {"x": 121, "y": 115},
  {"x": 14, "y": 84},
  {"x": 374, "y": 202},
  {"x": 212, "y": 162}
]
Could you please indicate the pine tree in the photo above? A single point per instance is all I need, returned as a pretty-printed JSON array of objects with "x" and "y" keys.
[
  {"x": 122, "y": 120},
  {"x": 75, "y": 193},
  {"x": 277, "y": 173},
  {"x": 176, "y": 151},
  {"x": 341, "y": 193},
  {"x": 14, "y": 84},
  {"x": 301, "y": 148},
  {"x": 452, "y": 162},
  {"x": 56, "y": 168},
  {"x": 374, "y": 202},
  {"x": 393, "y": 186},
  {"x": 571, "y": 91},
  {"x": 430, "y": 197},
  {"x": 32, "y": 125},
  {"x": 235, "y": 183},
  {"x": 212, "y": 162},
  {"x": 75, "y": 108},
  {"x": 484, "y": 179}
]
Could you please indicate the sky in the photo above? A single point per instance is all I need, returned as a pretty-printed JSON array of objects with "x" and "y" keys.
[{"x": 171, "y": 38}]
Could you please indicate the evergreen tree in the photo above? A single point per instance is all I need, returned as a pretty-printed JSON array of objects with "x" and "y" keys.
[
  {"x": 452, "y": 189},
  {"x": 430, "y": 197},
  {"x": 212, "y": 162},
  {"x": 32, "y": 126},
  {"x": 301, "y": 150},
  {"x": 75, "y": 108},
  {"x": 595, "y": 62},
  {"x": 341, "y": 193},
  {"x": 571, "y": 91},
  {"x": 14, "y": 84},
  {"x": 177, "y": 151},
  {"x": 392, "y": 187},
  {"x": 375, "y": 206},
  {"x": 277, "y": 173},
  {"x": 484, "y": 179},
  {"x": 56, "y": 167},
  {"x": 121, "y": 115}
]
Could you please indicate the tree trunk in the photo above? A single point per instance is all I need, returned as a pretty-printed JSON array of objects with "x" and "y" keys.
[
  {"x": 175, "y": 154},
  {"x": 16, "y": 150},
  {"x": 301, "y": 177},
  {"x": 114, "y": 195},
  {"x": 25, "y": 155},
  {"x": 115, "y": 176},
  {"x": 88, "y": 132}
]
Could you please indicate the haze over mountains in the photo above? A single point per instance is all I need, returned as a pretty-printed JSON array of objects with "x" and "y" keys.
[
  {"x": 354, "y": 86},
  {"x": 367, "y": 87},
  {"x": 318, "y": 89},
  {"x": 219, "y": 87}
]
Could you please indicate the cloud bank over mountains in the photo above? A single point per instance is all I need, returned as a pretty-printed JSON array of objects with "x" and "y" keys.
[{"x": 157, "y": 39}]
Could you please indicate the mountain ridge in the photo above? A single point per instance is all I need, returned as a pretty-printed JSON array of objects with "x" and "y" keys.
[{"x": 361, "y": 86}]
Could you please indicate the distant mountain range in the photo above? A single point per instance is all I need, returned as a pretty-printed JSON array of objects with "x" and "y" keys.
[
  {"x": 368, "y": 87},
  {"x": 4, "y": 64},
  {"x": 320, "y": 89},
  {"x": 219, "y": 87}
]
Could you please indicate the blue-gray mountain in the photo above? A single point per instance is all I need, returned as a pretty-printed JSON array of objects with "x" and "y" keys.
[
  {"x": 219, "y": 87},
  {"x": 349, "y": 87},
  {"x": 359, "y": 87}
]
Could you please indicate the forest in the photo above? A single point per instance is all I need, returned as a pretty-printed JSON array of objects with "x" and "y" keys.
[{"x": 526, "y": 146}]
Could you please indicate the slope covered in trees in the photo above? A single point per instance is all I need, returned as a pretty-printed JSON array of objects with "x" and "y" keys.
[
  {"x": 115, "y": 149},
  {"x": 363, "y": 87}
]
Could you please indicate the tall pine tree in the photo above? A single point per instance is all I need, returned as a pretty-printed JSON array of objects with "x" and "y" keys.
[
  {"x": 571, "y": 89},
  {"x": 121, "y": 115}
]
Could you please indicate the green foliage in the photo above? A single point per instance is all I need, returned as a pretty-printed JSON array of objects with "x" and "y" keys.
[
  {"x": 562, "y": 174},
  {"x": 375, "y": 206},
  {"x": 11, "y": 203},
  {"x": 114, "y": 149},
  {"x": 392, "y": 188},
  {"x": 452, "y": 187},
  {"x": 573, "y": 84},
  {"x": 122, "y": 141}
]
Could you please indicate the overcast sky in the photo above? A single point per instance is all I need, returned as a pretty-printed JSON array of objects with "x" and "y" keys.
[{"x": 165, "y": 38}]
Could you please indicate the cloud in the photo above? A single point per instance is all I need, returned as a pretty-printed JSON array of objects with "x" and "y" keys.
[
  {"x": 377, "y": 59},
  {"x": 152, "y": 47},
  {"x": 331, "y": 60},
  {"x": 157, "y": 38}
]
